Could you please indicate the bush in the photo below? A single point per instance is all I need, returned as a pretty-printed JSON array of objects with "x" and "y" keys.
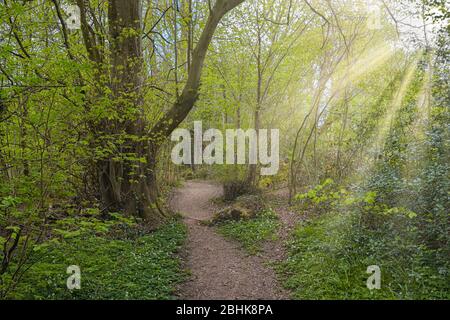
[
  {"x": 322, "y": 197},
  {"x": 329, "y": 254},
  {"x": 234, "y": 189}
]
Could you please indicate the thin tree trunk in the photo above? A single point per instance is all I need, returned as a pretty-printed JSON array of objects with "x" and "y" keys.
[
  {"x": 339, "y": 166},
  {"x": 251, "y": 177}
]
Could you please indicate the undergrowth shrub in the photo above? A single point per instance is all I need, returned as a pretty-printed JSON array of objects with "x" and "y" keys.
[{"x": 329, "y": 253}]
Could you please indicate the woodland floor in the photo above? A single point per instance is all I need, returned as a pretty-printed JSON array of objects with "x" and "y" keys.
[{"x": 219, "y": 268}]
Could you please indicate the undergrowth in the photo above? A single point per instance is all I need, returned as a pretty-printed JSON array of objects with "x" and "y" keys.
[
  {"x": 252, "y": 233},
  {"x": 145, "y": 267},
  {"x": 329, "y": 254}
]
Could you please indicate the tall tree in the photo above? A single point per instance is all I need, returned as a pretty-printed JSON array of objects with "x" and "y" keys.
[{"x": 131, "y": 185}]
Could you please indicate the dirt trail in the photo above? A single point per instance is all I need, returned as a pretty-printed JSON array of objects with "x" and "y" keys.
[{"x": 219, "y": 268}]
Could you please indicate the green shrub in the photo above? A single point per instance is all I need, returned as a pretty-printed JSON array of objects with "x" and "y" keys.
[
  {"x": 329, "y": 255},
  {"x": 322, "y": 198}
]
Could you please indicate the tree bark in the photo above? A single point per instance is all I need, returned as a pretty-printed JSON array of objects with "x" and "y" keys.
[{"x": 126, "y": 177}]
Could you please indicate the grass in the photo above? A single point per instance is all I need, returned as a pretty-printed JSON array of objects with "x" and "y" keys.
[
  {"x": 142, "y": 268},
  {"x": 252, "y": 233},
  {"x": 315, "y": 268},
  {"x": 328, "y": 258}
]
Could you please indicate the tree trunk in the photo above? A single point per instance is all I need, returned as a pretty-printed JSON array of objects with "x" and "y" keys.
[
  {"x": 128, "y": 183},
  {"x": 251, "y": 176}
]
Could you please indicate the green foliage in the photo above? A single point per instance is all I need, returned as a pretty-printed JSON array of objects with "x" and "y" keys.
[
  {"x": 386, "y": 178},
  {"x": 142, "y": 268},
  {"x": 322, "y": 197},
  {"x": 386, "y": 225},
  {"x": 253, "y": 232},
  {"x": 68, "y": 121},
  {"x": 329, "y": 254},
  {"x": 435, "y": 173},
  {"x": 317, "y": 267},
  {"x": 328, "y": 258}
]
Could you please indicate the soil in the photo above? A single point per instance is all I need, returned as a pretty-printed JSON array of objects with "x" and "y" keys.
[{"x": 219, "y": 268}]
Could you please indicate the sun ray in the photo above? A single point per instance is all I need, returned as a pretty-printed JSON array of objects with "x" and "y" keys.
[
  {"x": 382, "y": 129},
  {"x": 369, "y": 62},
  {"x": 386, "y": 122}
]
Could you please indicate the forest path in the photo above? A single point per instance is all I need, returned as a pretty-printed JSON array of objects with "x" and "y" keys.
[{"x": 219, "y": 268}]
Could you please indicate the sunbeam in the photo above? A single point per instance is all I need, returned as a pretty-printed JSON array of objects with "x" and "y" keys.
[
  {"x": 368, "y": 63},
  {"x": 386, "y": 122}
]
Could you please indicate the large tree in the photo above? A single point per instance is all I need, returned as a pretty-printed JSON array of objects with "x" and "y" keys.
[{"x": 131, "y": 185}]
